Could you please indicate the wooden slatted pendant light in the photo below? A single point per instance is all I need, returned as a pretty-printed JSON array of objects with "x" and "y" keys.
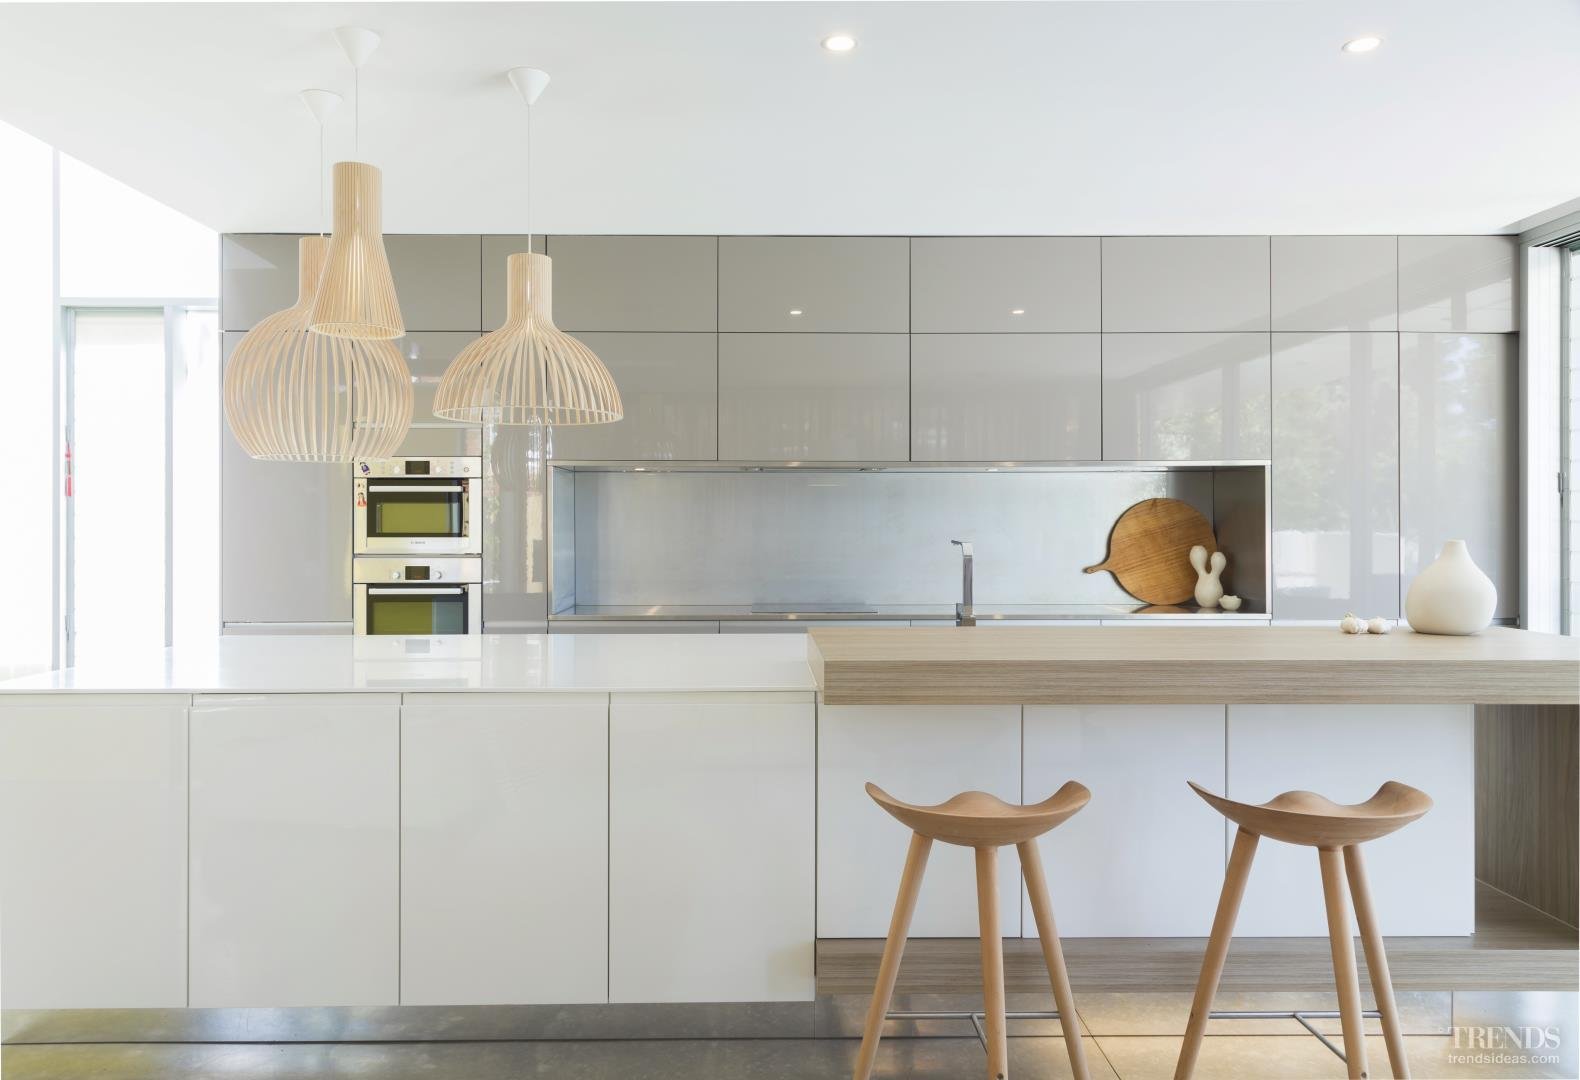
[
  {"x": 356, "y": 298},
  {"x": 528, "y": 371},
  {"x": 292, "y": 395}
]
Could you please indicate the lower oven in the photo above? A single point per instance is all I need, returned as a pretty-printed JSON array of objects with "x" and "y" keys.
[{"x": 417, "y": 595}]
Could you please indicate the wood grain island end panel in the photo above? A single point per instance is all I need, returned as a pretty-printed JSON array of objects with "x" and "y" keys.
[{"x": 1189, "y": 665}]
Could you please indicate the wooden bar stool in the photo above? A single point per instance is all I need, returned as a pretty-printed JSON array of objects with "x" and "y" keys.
[
  {"x": 981, "y": 821},
  {"x": 1303, "y": 817}
]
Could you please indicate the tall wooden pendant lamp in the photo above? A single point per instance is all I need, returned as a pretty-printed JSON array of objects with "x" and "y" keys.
[
  {"x": 356, "y": 298},
  {"x": 528, "y": 371},
  {"x": 292, "y": 395}
]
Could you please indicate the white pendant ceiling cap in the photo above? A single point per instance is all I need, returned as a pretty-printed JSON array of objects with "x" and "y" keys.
[
  {"x": 321, "y": 103},
  {"x": 357, "y": 42},
  {"x": 529, "y": 83}
]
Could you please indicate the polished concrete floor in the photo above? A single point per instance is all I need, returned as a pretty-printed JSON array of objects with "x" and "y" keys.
[{"x": 1130, "y": 1036}]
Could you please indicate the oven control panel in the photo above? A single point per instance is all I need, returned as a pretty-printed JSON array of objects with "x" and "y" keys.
[
  {"x": 434, "y": 466},
  {"x": 378, "y": 569}
]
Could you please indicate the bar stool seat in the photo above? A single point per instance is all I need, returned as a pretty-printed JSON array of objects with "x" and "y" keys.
[
  {"x": 1311, "y": 820},
  {"x": 1336, "y": 830},
  {"x": 984, "y": 822},
  {"x": 974, "y": 818}
]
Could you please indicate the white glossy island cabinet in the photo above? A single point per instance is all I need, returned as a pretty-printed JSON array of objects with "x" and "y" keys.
[{"x": 290, "y": 822}]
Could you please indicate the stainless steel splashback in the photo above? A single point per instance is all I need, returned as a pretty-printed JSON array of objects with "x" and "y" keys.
[{"x": 814, "y": 536}]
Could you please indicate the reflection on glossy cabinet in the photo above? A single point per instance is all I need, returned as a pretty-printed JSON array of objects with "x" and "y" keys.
[
  {"x": 1459, "y": 283},
  {"x": 294, "y": 850},
  {"x": 1185, "y": 397},
  {"x": 814, "y": 284},
  {"x": 649, "y": 283},
  {"x": 428, "y": 355},
  {"x": 438, "y": 279},
  {"x": 1423, "y": 877},
  {"x": 95, "y": 904},
  {"x": 1185, "y": 283},
  {"x": 1142, "y": 835},
  {"x": 504, "y": 849},
  {"x": 711, "y": 847},
  {"x": 669, "y": 387},
  {"x": 1335, "y": 475},
  {"x": 813, "y": 397},
  {"x": 1005, "y": 397},
  {"x": 922, "y": 754},
  {"x": 1459, "y": 468},
  {"x": 1335, "y": 283},
  {"x": 1005, "y": 284},
  {"x": 273, "y": 511}
]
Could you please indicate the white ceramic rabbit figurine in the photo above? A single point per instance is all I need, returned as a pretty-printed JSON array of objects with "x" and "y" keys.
[{"x": 1208, "y": 588}]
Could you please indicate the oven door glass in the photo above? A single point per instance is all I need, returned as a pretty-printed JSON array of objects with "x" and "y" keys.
[
  {"x": 427, "y": 508},
  {"x": 404, "y": 609}
]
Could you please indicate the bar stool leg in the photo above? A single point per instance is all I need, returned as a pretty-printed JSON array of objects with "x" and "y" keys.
[
  {"x": 889, "y": 967},
  {"x": 1053, "y": 955},
  {"x": 1376, "y": 962},
  {"x": 1344, "y": 975},
  {"x": 1217, "y": 949},
  {"x": 992, "y": 963}
]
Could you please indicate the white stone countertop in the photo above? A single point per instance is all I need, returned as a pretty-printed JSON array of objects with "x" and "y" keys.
[{"x": 511, "y": 663}]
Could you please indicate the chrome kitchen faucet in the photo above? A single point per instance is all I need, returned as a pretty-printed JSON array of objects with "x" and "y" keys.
[{"x": 965, "y": 614}]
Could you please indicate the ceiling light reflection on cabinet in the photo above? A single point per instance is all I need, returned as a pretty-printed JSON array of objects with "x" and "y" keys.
[
  {"x": 839, "y": 43},
  {"x": 1363, "y": 44}
]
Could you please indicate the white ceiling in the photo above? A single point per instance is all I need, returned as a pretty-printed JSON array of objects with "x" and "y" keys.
[{"x": 1189, "y": 116}]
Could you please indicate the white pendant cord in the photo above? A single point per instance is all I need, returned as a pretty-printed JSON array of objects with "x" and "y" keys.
[
  {"x": 529, "y": 179},
  {"x": 356, "y": 112},
  {"x": 321, "y": 180}
]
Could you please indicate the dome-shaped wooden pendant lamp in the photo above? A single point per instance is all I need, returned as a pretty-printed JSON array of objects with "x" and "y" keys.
[
  {"x": 528, "y": 371},
  {"x": 292, "y": 395},
  {"x": 356, "y": 298}
]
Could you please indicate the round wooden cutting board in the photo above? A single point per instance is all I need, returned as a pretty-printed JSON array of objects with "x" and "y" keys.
[{"x": 1149, "y": 550}]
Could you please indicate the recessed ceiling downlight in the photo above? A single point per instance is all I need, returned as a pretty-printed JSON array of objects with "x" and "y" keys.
[
  {"x": 1362, "y": 44},
  {"x": 839, "y": 43}
]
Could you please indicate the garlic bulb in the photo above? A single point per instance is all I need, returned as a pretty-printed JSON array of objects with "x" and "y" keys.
[
  {"x": 1351, "y": 625},
  {"x": 1378, "y": 625}
]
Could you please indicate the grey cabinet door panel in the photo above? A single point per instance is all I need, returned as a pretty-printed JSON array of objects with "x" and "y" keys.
[
  {"x": 496, "y": 252},
  {"x": 669, "y": 386},
  {"x": 1459, "y": 468},
  {"x": 285, "y": 545},
  {"x": 1005, "y": 397},
  {"x": 1164, "y": 283},
  {"x": 257, "y": 277},
  {"x": 428, "y": 354},
  {"x": 813, "y": 397},
  {"x": 438, "y": 279},
  {"x": 976, "y": 284},
  {"x": 1335, "y": 475},
  {"x": 1186, "y": 397},
  {"x": 1335, "y": 283},
  {"x": 635, "y": 282},
  {"x": 840, "y": 284},
  {"x": 1459, "y": 284}
]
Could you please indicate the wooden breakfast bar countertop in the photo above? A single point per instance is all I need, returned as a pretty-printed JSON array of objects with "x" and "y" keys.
[{"x": 1189, "y": 665}]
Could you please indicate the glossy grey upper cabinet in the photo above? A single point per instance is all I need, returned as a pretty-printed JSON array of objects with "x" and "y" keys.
[
  {"x": 814, "y": 284},
  {"x": 1335, "y": 283},
  {"x": 496, "y": 252},
  {"x": 1005, "y": 397},
  {"x": 428, "y": 354},
  {"x": 1005, "y": 284},
  {"x": 1163, "y": 283},
  {"x": 668, "y": 385},
  {"x": 257, "y": 277},
  {"x": 635, "y": 282},
  {"x": 285, "y": 549},
  {"x": 1335, "y": 475},
  {"x": 1466, "y": 284},
  {"x": 1185, "y": 397},
  {"x": 438, "y": 279},
  {"x": 813, "y": 397},
  {"x": 1459, "y": 466}
]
